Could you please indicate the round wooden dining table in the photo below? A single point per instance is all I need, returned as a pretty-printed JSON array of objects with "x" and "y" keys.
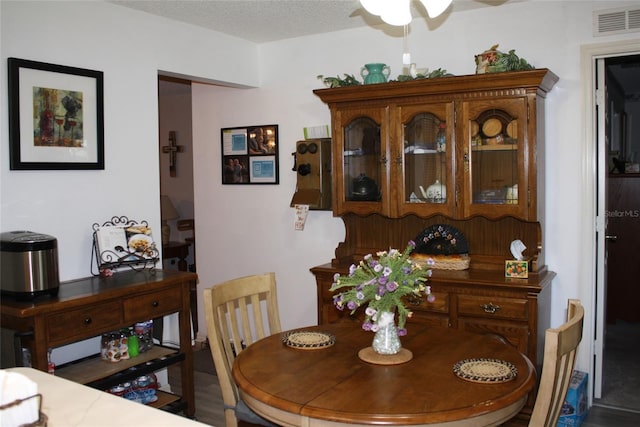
[{"x": 333, "y": 386}]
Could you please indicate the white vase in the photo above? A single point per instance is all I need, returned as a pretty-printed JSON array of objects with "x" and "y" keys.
[{"x": 386, "y": 340}]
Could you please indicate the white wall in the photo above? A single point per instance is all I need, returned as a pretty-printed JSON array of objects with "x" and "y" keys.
[
  {"x": 130, "y": 48},
  {"x": 249, "y": 229}
]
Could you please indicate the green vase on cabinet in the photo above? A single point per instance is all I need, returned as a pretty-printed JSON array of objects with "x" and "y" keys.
[{"x": 375, "y": 73}]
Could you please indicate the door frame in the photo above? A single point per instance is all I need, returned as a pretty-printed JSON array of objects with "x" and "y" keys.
[{"x": 594, "y": 171}]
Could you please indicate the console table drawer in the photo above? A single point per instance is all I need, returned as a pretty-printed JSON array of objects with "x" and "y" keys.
[
  {"x": 91, "y": 320},
  {"x": 150, "y": 306},
  {"x": 485, "y": 306}
]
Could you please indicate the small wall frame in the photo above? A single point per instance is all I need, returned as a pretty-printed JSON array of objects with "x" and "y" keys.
[{"x": 250, "y": 155}]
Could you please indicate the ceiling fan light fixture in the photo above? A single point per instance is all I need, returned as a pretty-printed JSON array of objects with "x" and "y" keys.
[
  {"x": 397, "y": 13},
  {"x": 393, "y": 12},
  {"x": 375, "y": 7},
  {"x": 435, "y": 7}
]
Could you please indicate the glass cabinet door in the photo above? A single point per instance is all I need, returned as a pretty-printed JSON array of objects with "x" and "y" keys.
[
  {"x": 426, "y": 184},
  {"x": 494, "y": 160},
  {"x": 363, "y": 152}
]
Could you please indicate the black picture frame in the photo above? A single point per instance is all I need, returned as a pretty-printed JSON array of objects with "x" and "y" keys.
[
  {"x": 247, "y": 158},
  {"x": 56, "y": 116}
]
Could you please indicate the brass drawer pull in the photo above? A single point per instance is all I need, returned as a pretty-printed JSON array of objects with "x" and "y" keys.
[
  {"x": 414, "y": 300},
  {"x": 490, "y": 308}
]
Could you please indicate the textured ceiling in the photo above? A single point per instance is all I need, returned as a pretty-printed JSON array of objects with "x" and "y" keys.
[
  {"x": 270, "y": 20},
  {"x": 263, "y": 21}
]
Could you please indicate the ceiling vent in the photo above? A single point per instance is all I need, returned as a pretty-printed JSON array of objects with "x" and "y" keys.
[{"x": 616, "y": 21}]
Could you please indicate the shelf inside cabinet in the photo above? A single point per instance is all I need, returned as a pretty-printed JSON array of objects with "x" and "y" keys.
[
  {"x": 424, "y": 153},
  {"x": 100, "y": 373},
  {"x": 496, "y": 147}
]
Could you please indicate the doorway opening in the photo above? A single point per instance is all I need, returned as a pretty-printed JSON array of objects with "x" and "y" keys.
[
  {"x": 177, "y": 180},
  {"x": 617, "y": 369},
  {"x": 176, "y": 173}
]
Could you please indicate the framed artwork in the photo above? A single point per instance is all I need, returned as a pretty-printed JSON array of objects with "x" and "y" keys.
[
  {"x": 56, "y": 117},
  {"x": 250, "y": 155}
]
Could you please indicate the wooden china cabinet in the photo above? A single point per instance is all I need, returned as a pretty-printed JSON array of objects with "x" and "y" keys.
[{"x": 466, "y": 152}]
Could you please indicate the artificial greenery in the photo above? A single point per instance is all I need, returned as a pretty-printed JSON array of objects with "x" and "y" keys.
[
  {"x": 349, "y": 80},
  {"x": 494, "y": 61},
  {"x": 432, "y": 75}
]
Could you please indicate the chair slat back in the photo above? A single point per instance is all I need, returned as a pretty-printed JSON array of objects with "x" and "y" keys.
[
  {"x": 560, "y": 348},
  {"x": 235, "y": 311}
]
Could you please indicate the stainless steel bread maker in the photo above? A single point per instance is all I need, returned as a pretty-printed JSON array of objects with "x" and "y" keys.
[{"x": 29, "y": 264}]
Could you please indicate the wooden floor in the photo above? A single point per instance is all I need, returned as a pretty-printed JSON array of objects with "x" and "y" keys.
[
  {"x": 209, "y": 408},
  {"x": 600, "y": 416}
]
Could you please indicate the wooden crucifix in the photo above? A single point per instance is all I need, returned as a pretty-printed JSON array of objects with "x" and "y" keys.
[{"x": 172, "y": 149}]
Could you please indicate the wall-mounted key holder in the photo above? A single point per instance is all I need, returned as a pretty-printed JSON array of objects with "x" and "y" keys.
[{"x": 312, "y": 164}]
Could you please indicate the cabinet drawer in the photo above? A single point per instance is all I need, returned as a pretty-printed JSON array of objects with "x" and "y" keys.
[
  {"x": 500, "y": 308},
  {"x": 150, "y": 306},
  {"x": 439, "y": 305},
  {"x": 83, "y": 322},
  {"x": 516, "y": 334},
  {"x": 429, "y": 318}
]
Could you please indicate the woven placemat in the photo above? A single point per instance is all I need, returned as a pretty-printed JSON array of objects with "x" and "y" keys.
[
  {"x": 368, "y": 354},
  {"x": 485, "y": 370},
  {"x": 308, "y": 340}
]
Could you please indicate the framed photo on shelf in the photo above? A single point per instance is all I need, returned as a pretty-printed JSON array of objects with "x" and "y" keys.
[
  {"x": 250, "y": 154},
  {"x": 56, "y": 116},
  {"x": 516, "y": 269}
]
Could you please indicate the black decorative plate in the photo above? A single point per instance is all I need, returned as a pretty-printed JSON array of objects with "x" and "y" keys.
[
  {"x": 485, "y": 370},
  {"x": 441, "y": 239},
  {"x": 308, "y": 340}
]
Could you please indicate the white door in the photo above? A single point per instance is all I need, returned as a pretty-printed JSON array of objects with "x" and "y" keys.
[
  {"x": 599, "y": 121},
  {"x": 601, "y": 224}
]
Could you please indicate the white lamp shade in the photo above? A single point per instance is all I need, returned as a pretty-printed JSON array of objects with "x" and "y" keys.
[
  {"x": 397, "y": 12},
  {"x": 435, "y": 7},
  {"x": 167, "y": 210}
]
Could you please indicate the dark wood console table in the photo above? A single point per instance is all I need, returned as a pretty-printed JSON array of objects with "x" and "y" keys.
[
  {"x": 178, "y": 250},
  {"x": 89, "y": 307}
]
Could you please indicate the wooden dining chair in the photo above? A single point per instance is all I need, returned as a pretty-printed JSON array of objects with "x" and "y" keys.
[
  {"x": 560, "y": 345},
  {"x": 238, "y": 313}
]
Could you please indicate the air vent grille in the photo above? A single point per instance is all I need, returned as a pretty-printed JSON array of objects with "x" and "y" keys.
[
  {"x": 616, "y": 21},
  {"x": 634, "y": 19}
]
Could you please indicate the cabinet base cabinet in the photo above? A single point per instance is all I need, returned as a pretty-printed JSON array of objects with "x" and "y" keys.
[
  {"x": 89, "y": 307},
  {"x": 475, "y": 301}
]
